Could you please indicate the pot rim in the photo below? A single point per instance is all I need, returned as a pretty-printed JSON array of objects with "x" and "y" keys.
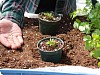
[
  {"x": 62, "y": 44},
  {"x": 47, "y": 20}
]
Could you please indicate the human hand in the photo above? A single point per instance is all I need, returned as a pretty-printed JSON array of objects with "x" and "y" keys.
[{"x": 10, "y": 34}]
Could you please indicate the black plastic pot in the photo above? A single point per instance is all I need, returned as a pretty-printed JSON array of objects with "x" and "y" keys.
[
  {"x": 49, "y": 27},
  {"x": 51, "y": 56}
]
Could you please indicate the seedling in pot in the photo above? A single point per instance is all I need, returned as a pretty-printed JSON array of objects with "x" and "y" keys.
[
  {"x": 49, "y": 23},
  {"x": 49, "y": 16},
  {"x": 50, "y": 49},
  {"x": 51, "y": 42}
]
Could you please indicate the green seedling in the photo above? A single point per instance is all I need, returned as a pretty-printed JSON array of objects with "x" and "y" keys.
[
  {"x": 48, "y": 15},
  {"x": 51, "y": 42}
]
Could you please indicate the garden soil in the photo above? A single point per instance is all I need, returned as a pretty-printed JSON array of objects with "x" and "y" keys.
[{"x": 28, "y": 57}]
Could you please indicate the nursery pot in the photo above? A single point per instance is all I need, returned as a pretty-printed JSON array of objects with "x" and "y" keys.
[
  {"x": 50, "y": 56},
  {"x": 49, "y": 27}
]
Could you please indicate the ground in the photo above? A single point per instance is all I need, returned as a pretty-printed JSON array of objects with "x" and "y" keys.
[{"x": 74, "y": 52}]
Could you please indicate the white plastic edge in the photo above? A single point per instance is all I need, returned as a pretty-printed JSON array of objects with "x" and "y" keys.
[
  {"x": 64, "y": 69},
  {"x": 1, "y": 74},
  {"x": 71, "y": 69},
  {"x": 30, "y": 15}
]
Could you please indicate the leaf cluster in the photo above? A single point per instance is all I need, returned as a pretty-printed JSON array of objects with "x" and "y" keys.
[
  {"x": 51, "y": 42},
  {"x": 92, "y": 43},
  {"x": 48, "y": 16},
  {"x": 91, "y": 28}
]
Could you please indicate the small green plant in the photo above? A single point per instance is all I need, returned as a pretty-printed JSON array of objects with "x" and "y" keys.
[
  {"x": 47, "y": 15},
  {"x": 51, "y": 42}
]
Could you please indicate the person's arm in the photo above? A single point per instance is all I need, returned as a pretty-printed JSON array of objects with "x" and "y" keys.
[
  {"x": 12, "y": 15},
  {"x": 14, "y": 10}
]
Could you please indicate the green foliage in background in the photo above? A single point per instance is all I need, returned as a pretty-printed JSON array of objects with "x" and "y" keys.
[{"x": 91, "y": 27}]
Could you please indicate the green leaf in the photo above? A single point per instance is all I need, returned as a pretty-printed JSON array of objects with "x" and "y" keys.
[
  {"x": 82, "y": 28},
  {"x": 91, "y": 53},
  {"x": 85, "y": 27},
  {"x": 88, "y": 42},
  {"x": 73, "y": 14},
  {"x": 76, "y": 25},
  {"x": 87, "y": 45},
  {"x": 98, "y": 44},
  {"x": 97, "y": 31},
  {"x": 87, "y": 31},
  {"x": 98, "y": 64},
  {"x": 51, "y": 42},
  {"x": 95, "y": 35},
  {"x": 95, "y": 53},
  {"x": 88, "y": 37},
  {"x": 91, "y": 16}
]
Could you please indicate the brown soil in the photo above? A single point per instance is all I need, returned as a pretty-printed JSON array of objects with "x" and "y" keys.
[{"x": 74, "y": 52}]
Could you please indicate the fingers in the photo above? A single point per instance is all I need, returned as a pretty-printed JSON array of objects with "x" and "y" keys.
[
  {"x": 4, "y": 41},
  {"x": 16, "y": 42},
  {"x": 20, "y": 39},
  {"x": 13, "y": 42}
]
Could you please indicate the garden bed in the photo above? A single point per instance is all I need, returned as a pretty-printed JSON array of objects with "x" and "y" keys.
[{"x": 74, "y": 52}]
